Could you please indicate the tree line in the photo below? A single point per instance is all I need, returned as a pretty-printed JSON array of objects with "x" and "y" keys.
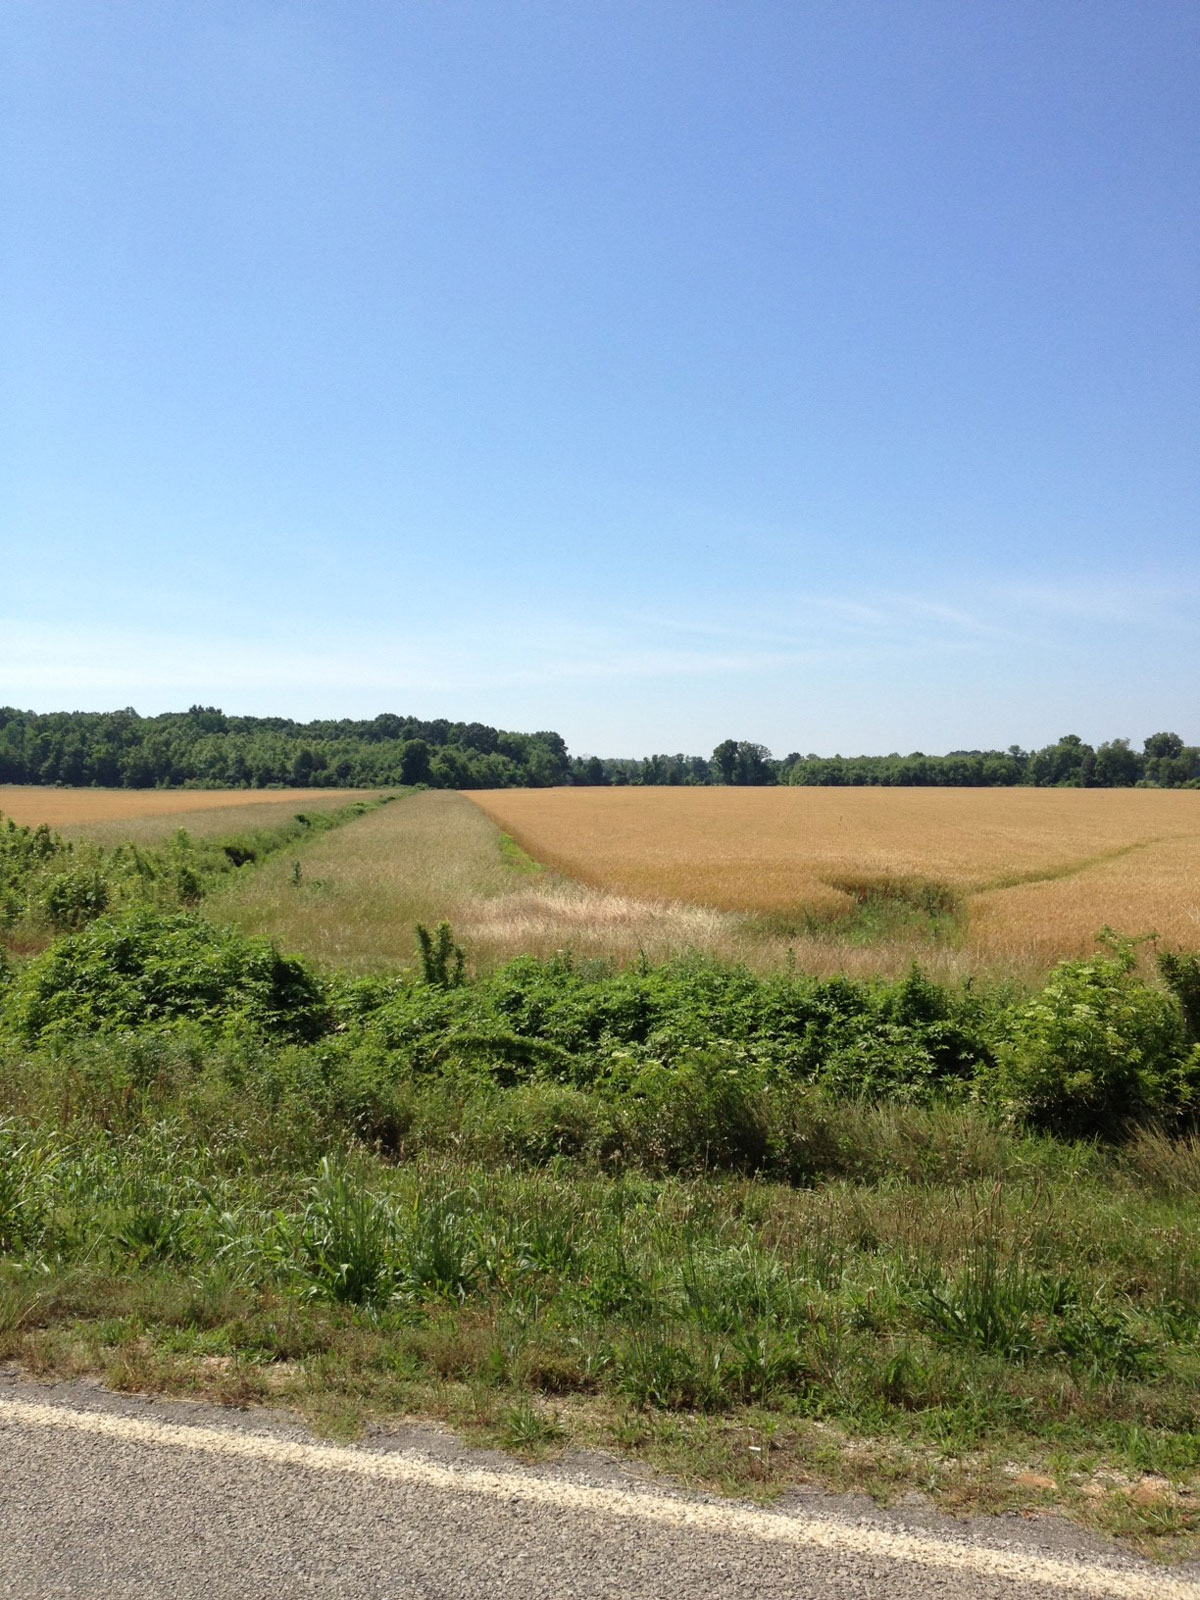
[{"x": 204, "y": 748}]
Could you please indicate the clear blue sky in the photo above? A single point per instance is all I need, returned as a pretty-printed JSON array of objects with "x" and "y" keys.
[{"x": 821, "y": 372}]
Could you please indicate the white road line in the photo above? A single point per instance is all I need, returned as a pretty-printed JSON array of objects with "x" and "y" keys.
[{"x": 730, "y": 1521}]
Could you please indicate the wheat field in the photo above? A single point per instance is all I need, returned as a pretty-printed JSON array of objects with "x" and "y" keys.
[
  {"x": 618, "y": 874},
  {"x": 145, "y": 816},
  {"x": 762, "y": 876},
  {"x": 1036, "y": 872}
]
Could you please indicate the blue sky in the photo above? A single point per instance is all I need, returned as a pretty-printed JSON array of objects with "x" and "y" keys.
[{"x": 818, "y": 373}]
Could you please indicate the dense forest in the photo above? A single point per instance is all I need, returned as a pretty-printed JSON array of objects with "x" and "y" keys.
[{"x": 204, "y": 748}]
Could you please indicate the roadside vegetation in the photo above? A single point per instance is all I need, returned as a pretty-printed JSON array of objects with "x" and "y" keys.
[
  {"x": 892, "y": 1234},
  {"x": 753, "y": 1227}
]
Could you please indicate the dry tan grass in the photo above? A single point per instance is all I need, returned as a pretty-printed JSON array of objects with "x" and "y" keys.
[
  {"x": 553, "y": 916},
  {"x": 145, "y": 815},
  {"x": 1039, "y": 871},
  {"x": 558, "y": 915}
]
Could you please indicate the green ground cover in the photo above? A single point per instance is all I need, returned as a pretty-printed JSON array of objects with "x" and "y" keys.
[{"x": 894, "y": 1234}]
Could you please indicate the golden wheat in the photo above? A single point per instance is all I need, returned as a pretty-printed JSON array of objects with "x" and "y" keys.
[
  {"x": 144, "y": 815},
  {"x": 1039, "y": 870}
]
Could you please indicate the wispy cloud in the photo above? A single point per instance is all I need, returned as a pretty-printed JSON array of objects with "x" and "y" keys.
[
  {"x": 46, "y": 662},
  {"x": 1130, "y": 599},
  {"x": 834, "y": 621},
  {"x": 836, "y": 635}
]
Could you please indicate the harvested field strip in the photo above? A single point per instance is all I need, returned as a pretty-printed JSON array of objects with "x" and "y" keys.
[
  {"x": 435, "y": 855},
  {"x": 217, "y": 822}
]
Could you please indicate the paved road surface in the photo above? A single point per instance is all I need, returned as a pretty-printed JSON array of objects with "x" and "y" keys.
[{"x": 124, "y": 1497}]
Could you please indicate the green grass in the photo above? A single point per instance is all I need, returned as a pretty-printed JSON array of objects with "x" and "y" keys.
[
  {"x": 513, "y": 856},
  {"x": 879, "y": 910},
  {"x": 953, "y": 1301}
]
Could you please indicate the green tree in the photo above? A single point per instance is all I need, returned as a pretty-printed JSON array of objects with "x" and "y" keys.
[
  {"x": 725, "y": 760},
  {"x": 753, "y": 763},
  {"x": 414, "y": 761},
  {"x": 1158, "y": 745}
]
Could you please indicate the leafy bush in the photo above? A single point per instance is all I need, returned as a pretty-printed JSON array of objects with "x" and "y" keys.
[
  {"x": 441, "y": 958},
  {"x": 549, "y": 1019},
  {"x": 705, "y": 1112},
  {"x": 74, "y": 898},
  {"x": 148, "y": 968},
  {"x": 685, "y": 1066},
  {"x": 1181, "y": 974},
  {"x": 536, "y": 1122},
  {"x": 1096, "y": 1051}
]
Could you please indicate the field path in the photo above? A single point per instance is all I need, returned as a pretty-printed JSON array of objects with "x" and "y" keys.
[{"x": 124, "y": 1497}]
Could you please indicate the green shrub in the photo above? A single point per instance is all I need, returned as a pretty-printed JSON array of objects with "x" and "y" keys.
[
  {"x": 1096, "y": 1051},
  {"x": 708, "y": 1111},
  {"x": 536, "y": 1122},
  {"x": 441, "y": 958},
  {"x": 74, "y": 898},
  {"x": 548, "y": 1018},
  {"x": 151, "y": 968},
  {"x": 1181, "y": 974}
]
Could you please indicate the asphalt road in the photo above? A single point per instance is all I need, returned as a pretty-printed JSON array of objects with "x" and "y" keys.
[{"x": 126, "y": 1497}]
